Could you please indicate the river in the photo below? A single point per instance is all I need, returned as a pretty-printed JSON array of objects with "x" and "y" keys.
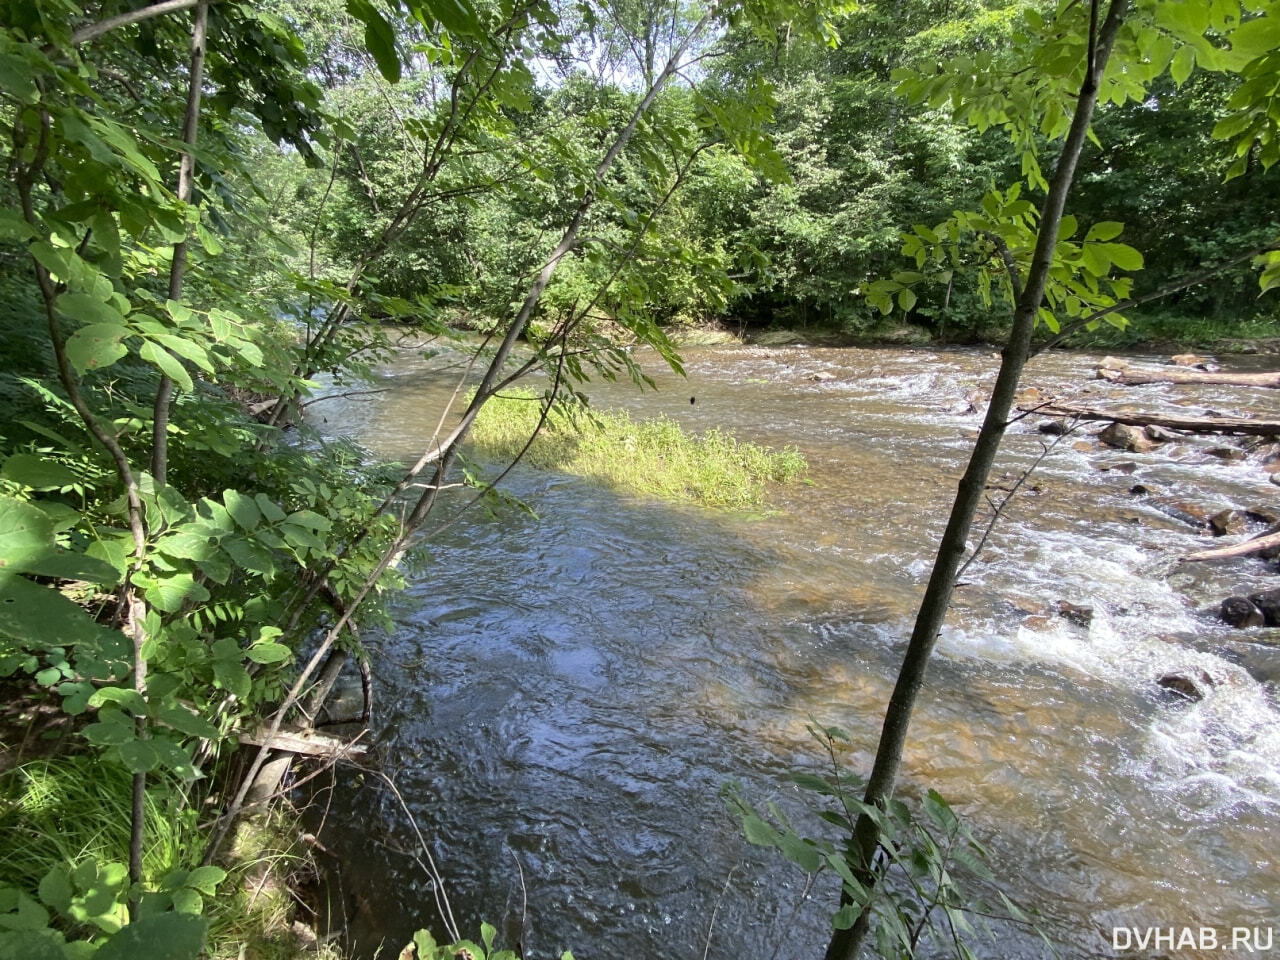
[{"x": 564, "y": 697}]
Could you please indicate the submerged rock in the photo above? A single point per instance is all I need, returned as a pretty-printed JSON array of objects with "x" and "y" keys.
[
  {"x": 822, "y": 376},
  {"x": 1230, "y": 454},
  {"x": 1191, "y": 684}
]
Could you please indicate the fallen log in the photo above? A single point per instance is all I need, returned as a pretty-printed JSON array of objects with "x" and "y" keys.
[
  {"x": 1129, "y": 376},
  {"x": 308, "y": 742},
  {"x": 1259, "y": 544},
  {"x": 1228, "y": 425}
]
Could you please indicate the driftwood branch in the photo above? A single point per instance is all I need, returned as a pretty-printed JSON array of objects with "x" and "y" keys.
[
  {"x": 1126, "y": 375},
  {"x": 1228, "y": 425},
  {"x": 1258, "y": 544},
  {"x": 308, "y": 742}
]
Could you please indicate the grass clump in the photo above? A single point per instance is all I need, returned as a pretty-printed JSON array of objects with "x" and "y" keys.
[{"x": 651, "y": 457}]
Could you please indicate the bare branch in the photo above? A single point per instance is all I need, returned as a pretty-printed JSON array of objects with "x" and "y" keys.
[{"x": 95, "y": 30}]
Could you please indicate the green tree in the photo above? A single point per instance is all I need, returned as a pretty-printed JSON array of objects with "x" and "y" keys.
[{"x": 1063, "y": 67}]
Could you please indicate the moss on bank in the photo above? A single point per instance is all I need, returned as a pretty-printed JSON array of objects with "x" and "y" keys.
[{"x": 651, "y": 457}]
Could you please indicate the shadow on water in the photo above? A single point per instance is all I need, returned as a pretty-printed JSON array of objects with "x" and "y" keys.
[
  {"x": 561, "y": 704},
  {"x": 563, "y": 698}
]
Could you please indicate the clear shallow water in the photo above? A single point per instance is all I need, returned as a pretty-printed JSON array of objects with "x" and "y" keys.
[{"x": 564, "y": 697}]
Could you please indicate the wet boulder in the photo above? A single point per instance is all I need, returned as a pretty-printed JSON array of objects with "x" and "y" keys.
[
  {"x": 1192, "y": 685},
  {"x": 1241, "y": 612},
  {"x": 1125, "y": 437},
  {"x": 1261, "y": 513},
  {"x": 1230, "y": 454},
  {"x": 1227, "y": 522},
  {"x": 1054, "y": 428},
  {"x": 1158, "y": 434},
  {"x": 1074, "y": 613},
  {"x": 1268, "y": 603}
]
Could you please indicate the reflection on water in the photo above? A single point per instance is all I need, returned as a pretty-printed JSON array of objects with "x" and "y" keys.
[{"x": 564, "y": 697}]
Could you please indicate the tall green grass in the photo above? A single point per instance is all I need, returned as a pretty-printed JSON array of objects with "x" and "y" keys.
[
  {"x": 650, "y": 457},
  {"x": 66, "y": 810}
]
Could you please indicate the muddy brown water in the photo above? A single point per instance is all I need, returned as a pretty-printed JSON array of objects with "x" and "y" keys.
[{"x": 564, "y": 697}]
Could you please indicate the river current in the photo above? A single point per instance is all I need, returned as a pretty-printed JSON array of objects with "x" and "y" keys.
[{"x": 564, "y": 696}]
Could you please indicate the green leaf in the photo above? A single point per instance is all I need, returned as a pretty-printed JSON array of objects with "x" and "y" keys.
[
  {"x": 379, "y": 38},
  {"x": 758, "y": 832},
  {"x": 139, "y": 756},
  {"x": 38, "y": 473},
  {"x": 87, "y": 309},
  {"x": 169, "y": 593},
  {"x": 96, "y": 346},
  {"x": 25, "y": 534},
  {"x": 242, "y": 509},
  {"x": 162, "y": 936},
  {"x": 55, "y": 888},
  {"x": 125, "y": 698},
  {"x": 268, "y": 652},
  {"x": 33, "y": 615},
  {"x": 1123, "y": 256},
  {"x": 1184, "y": 62},
  {"x": 206, "y": 879},
  {"x": 13, "y": 226},
  {"x": 169, "y": 365},
  {"x": 846, "y": 916},
  {"x": 1257, "y": 36},
  {"x": 1104, "y": 230},
  {"x": 64, "y": 565},
  {"x": 232, "y": 677},
  {"x": 187, "y": 349},
  {"x": 184, "y": 721},
  {"x": 268, "y": 507},
  {"x": 209, "y": 240},
  {"x": 32, "y": 944}
]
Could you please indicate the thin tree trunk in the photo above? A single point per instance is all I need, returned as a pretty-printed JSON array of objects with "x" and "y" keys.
[
  {"x": 178, "y": 265},
  {"x": 490, "y": 382},
  {"x": 846, "y": 944}
]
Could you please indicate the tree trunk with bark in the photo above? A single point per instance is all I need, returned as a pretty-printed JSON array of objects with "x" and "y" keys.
[{"x": 846, "y": 944}]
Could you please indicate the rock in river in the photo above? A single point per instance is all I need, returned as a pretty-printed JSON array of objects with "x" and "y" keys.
[
  {"x": 1240, "y": 612},
  {"x": 1126, "y": 438}
]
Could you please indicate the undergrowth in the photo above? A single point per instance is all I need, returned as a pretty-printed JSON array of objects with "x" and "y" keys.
[
  {"x": 652, "y": 457},
  {"x": 71, "y": 813}
]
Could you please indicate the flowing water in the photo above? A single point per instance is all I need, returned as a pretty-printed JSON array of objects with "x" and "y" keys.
[{"x": 564, "y": 697}]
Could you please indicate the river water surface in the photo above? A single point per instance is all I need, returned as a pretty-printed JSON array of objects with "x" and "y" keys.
[{"x": 565, "y": 696}]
